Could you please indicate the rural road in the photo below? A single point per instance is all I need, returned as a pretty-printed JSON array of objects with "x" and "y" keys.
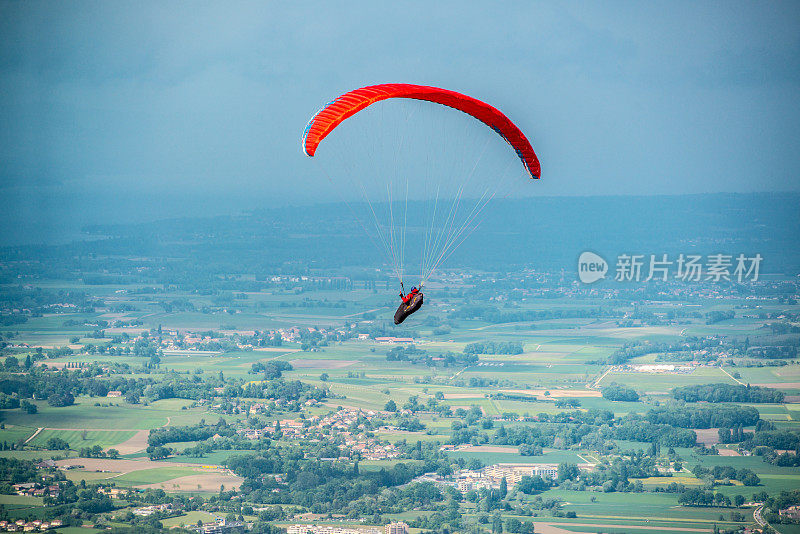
[
  {"x": 458, "y": 373},
  {"x": 732, "y": 378},
  {"x": 34, "y": 434},
  {"x": 363, "y": 312},
  {"x": 757, "y": 515},
  {"x": 596, "y": 383}
]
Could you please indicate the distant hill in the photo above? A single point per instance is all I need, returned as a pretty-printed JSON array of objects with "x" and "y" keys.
[{"x": 545, "y": 233}]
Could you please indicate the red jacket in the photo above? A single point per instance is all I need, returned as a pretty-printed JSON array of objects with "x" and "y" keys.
[{"x": 410, "y": 296}]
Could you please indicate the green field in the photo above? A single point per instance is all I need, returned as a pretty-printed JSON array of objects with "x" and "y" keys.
[
  {"x": 153, "y": 476},
  {"x": 189, "y": 518},
  {"x": 643, "y": 506},
  {"x": 80, "y": 438},
  {"x": 213, "y": 458},
  {"x": 16, "y": 433},
  {"x": 112, "y": 414}
]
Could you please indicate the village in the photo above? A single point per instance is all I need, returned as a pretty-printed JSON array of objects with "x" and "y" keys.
[
  {"x": 347, "y": 424},
  {"x": 392, "y": 528},
  {"x": 20, "y": 525},
  {"x": 492, "y": 476}
]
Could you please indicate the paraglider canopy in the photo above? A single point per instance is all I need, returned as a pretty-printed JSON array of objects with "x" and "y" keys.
[
  {"x": 425, "y": 173},
  {"x": 351, "y": 103}
]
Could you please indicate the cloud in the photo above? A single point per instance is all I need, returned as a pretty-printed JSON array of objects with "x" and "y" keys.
[{"x": 658, "y": 97}]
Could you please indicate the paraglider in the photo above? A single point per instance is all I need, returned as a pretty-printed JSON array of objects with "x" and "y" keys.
[
  {"x": 407, "y": 298},
  {"x": 442, "y": 230},
  {"x": 411, "y": 303}
]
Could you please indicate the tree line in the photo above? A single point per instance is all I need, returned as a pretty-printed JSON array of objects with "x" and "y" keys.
[{"x": 728, "y": 393}]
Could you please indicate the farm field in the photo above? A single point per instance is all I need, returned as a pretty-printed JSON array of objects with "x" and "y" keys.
[
  {"x": 83, "y": 438},
  {"x": 117, "y": 414},
  {"x": 545, "y": 382},
  {"x": 190, "y": 518}
]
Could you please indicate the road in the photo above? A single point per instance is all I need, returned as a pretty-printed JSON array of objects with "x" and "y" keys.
[
  {"x": 596, "y": 383},
  {"x": 34, "y": 434},
  {"x": 363, "y": 312},
  {"x": 458, "y": 373},
  {"x": 757, "y": 515},
  {"x": 732, "y": 378}
]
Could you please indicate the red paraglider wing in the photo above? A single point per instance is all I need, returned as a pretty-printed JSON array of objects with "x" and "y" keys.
[{"x": 351, "y": 103}]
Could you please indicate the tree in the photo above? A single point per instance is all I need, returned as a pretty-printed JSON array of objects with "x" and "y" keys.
[
  {"x": 567, "y": 471},
  {"x": 57, "y": 444},
  {"x": 497, "y": 524},
  {"x": 751, "y": 479},
  {"x": 391, "y": 406},
  {"x": 728, "y": 393},
  {"x": 532, "y": 485},
  {"x": 158, "y": 453},
  {"x": 61, "y": 399},
  {"x": 529, "y": 450},
  {"x": 617, "y": 392},
  {"x": 28, "y": 407}
]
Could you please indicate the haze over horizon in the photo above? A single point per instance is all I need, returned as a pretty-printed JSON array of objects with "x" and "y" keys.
[{"x": 142, "y": 111}]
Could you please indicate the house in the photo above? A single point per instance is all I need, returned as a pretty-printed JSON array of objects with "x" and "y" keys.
[
  {"x": 385, "y": 340},
  {"x": 792, "y": 512},
  {"x": 26, "y": 488},
  {"x": 150, "y": 510},
  {"x": 396, "y": 528},
  {"x": 114, "y": 493},
  {"x": 222, "y": 527}
]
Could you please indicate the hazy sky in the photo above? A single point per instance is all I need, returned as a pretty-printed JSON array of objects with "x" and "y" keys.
[{"x": 125, "y": 109}]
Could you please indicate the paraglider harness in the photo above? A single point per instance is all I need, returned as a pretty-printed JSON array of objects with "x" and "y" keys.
[
  {"x": 407, "y": 298},
  {"x": 411, "y": 303}
]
